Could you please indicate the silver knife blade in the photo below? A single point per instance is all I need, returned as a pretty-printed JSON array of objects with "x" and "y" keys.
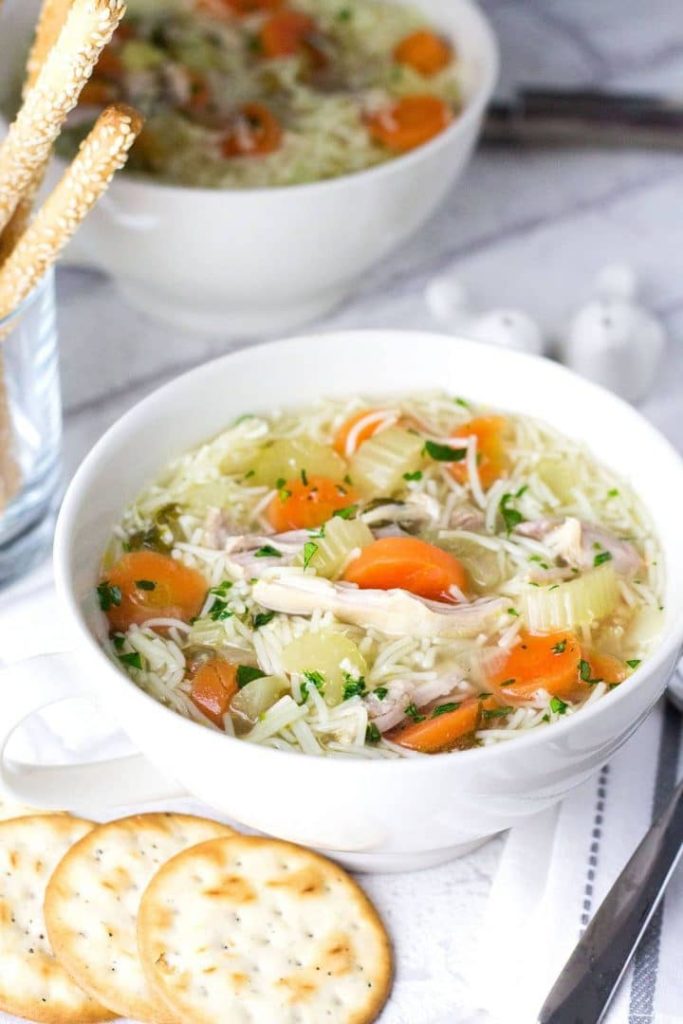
[{"x": 590, "y": 977}]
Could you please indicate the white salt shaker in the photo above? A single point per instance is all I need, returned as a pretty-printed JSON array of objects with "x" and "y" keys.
[
  {"x": 613, "y": 340},
  {"x": 507, "y": 328}
]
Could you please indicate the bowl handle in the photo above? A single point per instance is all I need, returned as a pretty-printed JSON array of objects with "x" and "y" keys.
[{"x": 29, "y": 687}]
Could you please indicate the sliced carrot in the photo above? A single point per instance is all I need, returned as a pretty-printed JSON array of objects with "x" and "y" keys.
[
  {"x": 549, "y": 662},
  {"x": 148, "y": 585},
  {"x": 425, "y": 52},
  {"x": 376, "y": 420},
  {"x": 491, "y": 459},
  {"x": 254, "y": 132},
  {"x": 409, "y": 122},
  {"x": 604, "y": 667},
  {"x": 409, "y": 564},
  {"x": 300, "y": 505},
  {"x": 285, "y": 33},
  {"x": 447, "y": 731},
  {"x": 213, "y": 687}
]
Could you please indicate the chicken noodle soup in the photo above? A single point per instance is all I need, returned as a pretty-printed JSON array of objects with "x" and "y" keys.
[
  {"x": 244, "y": 93},
  {"x": 382, "y": 579}
]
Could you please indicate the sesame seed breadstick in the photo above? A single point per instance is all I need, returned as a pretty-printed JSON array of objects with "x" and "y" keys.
[
  {"x": 102, "y": 153},
  {"x": 88, "y": 28},
  {"x": 53, "y": 15}
]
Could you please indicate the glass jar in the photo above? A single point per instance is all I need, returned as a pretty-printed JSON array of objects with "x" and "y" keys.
[{"x": 30, "y": 431}]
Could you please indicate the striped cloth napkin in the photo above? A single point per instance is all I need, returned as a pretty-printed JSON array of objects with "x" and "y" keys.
[{"x": 555, "y": 872}]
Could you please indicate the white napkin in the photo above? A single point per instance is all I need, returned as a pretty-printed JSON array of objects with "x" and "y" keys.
[{"x": 556, "y": 870}]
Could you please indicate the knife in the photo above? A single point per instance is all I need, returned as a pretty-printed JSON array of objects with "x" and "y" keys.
[
  {"x": 550, "y": 116},
  {"x": 590, "y": 977}
]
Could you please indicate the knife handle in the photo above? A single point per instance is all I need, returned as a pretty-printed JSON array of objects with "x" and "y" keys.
[{"x": 588, "y": 980}]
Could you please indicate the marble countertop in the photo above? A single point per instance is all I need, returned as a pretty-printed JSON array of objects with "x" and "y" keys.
[{"x": 529, "y": 228}]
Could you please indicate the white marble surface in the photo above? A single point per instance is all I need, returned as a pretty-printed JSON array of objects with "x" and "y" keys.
[{"x": 528, "y": 227}]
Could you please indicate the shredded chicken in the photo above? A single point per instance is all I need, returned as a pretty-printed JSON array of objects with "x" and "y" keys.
[
  {"x": 577, "y": 543},
  {"x": 393, "y": 612},
  {"x": 388, "y": 711}
]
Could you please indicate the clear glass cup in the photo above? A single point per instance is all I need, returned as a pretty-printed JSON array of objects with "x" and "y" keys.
[{"x": 30, "y": 431}]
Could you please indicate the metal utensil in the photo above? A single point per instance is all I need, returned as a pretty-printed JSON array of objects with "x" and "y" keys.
[
  {"x": 550, "y": 116},
  {"x": 592, "y": 974}
]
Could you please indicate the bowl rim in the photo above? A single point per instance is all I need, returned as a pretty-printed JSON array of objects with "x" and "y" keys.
[
  {"x": 670, "y": 644},
  {"x": 472, "y": 111}
]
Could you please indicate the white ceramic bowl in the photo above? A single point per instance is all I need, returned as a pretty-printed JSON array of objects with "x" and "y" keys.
[
  {"x": 386, "y": 814},
  {"x": 267, "y": 260}
]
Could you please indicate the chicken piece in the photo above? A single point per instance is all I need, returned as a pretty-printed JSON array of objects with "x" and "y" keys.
[
  {"x": 578, "y": 543},
  {"x": 393, "y": 612}
]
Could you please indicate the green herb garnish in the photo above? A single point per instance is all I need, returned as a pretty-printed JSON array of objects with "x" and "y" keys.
[
  {"x": 613, "y": 492},
  {"x": 417, "y": 475},
  {"x": 558, "y": 706},
  {"x": 380, "y": 692},
  {"x": 304, "y": 478},
  {"x": 267, "y": 551},
  {"x": 316, "y": 679},
  {"x": 353, "y": 687},
  {"x": 604, "y": 556},
  {"x": 109, "y": 596},
  {"x": 444, "y": 453},
  {"x": 145, "y": 585},
  {"x": 412, "y": 713},
  {"x": 118, "y": 641},
  {"x": 133, "y": 660},
  {"x": 262, "y": 619},
  {"x": 219, "y": 610},
  {"x": 246, "y": 674},
  {"x": 372, "y": 734},
  {"x": 443, "y": 709},
  {"x": 496, "y": 712},
  {"x": 633, "y": 662},
  {"x": 513, "y": 611},
  {"x": 346, "y": 513},
  {"x": 511, "y": 516},
  {"x": 310, "y": 548},
  {"x": 560, "y": 647},
  {"x": 585, "y": 673}
]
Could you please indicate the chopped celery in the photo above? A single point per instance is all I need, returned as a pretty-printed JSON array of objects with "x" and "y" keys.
[
  {"x": 330, "y": 653},
  {"x": 560, "y": 477},
  {"x": 286, "y": 459},
  {"x": 257, "y": 696},
  {"x": 340, "y": 538},
  {"x": 578, "y": 602},
  {"x": 380, "y": 464}
]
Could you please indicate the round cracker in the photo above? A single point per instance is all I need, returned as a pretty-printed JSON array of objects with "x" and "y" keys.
[
  {"x": 253, "y": 929},
  {"x": 11, "y": 809},
  {"x": 92, "y": 903},
  {"x": 32, "y": 983}
]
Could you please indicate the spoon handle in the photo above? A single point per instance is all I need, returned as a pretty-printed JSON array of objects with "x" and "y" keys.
[{"x": 588, "y": 980}]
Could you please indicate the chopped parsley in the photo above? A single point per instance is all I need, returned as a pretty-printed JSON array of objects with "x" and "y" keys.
[
  {"x": 633, "y": 662},
  {"x": 316, "y": 679},
  {"x": 412, "y": 713},
  {"x": 560, "y": 647},
  {"x": 372, "y": 734},
  {"x": 246, "y": 674},
  {"x": 444, "y": 452},
  {"x": 443, "y": 709},
  {"x": 310, "y": 548},
  {"x": 348, "y": 480},
  {"x": 511, "y": 516},
  {"x": 613, "y": 492},
  {"x": 145, "y": 585},
  {"x": 282, "y": 492},
  {"x": 603, "y": 556},
  {"x": 506, "y": 682},
  {"x": 380, "y": 692},
  {"x": 417, "y": 475},
  {"x": 109, "y": 596},
  {"x": 557, "y": 706},
  {"x": 219, "y": 610},
  {"x": 353, "y": 687},
  {"x": 222, "y": 589},
  {"x": 513, "y": 611},
  {"x": 118, "y": 641},
  {"x": 346, "y": 513},
  {"x": 496, "y": 712},
  {"x": 304, "y": 477},
  {"x": 462, "y": 402},
  {"x": 267, "y": 551},
  {"x": 585, "y": 673},
  {"x": 539, "y": 561},
  {"x": 262, "y": 619},
  {"x": 132, "y": 660},
  {"x": 248, "y": 475}
]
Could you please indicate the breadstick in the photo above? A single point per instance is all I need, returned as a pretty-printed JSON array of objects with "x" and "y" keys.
[
  {"x": 88, "y": 28},
  {"x": 53, "y": 15},
  {"x": 102, "y": 153}
]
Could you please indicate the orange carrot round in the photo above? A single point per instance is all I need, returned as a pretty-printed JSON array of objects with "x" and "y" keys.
[
  {"x": 341, "y": 441},
  {"x": 254, "y": 132},
  {"x": 304, "y": 505},
  {"x": 425, "y": 52},
  {"x": 148, "y": 585},
  {"x": 491, "y": 459},
  {"x": 438, "y": 733},
  {"x": 549, "y": 662},
  {"x": 604, "y": 667},
  {"x": 409, "y": 564},
  {"x": 409, "y": 122},
  {"x": 284, "y": 33},
  {"x": 213, "y": 687}
]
